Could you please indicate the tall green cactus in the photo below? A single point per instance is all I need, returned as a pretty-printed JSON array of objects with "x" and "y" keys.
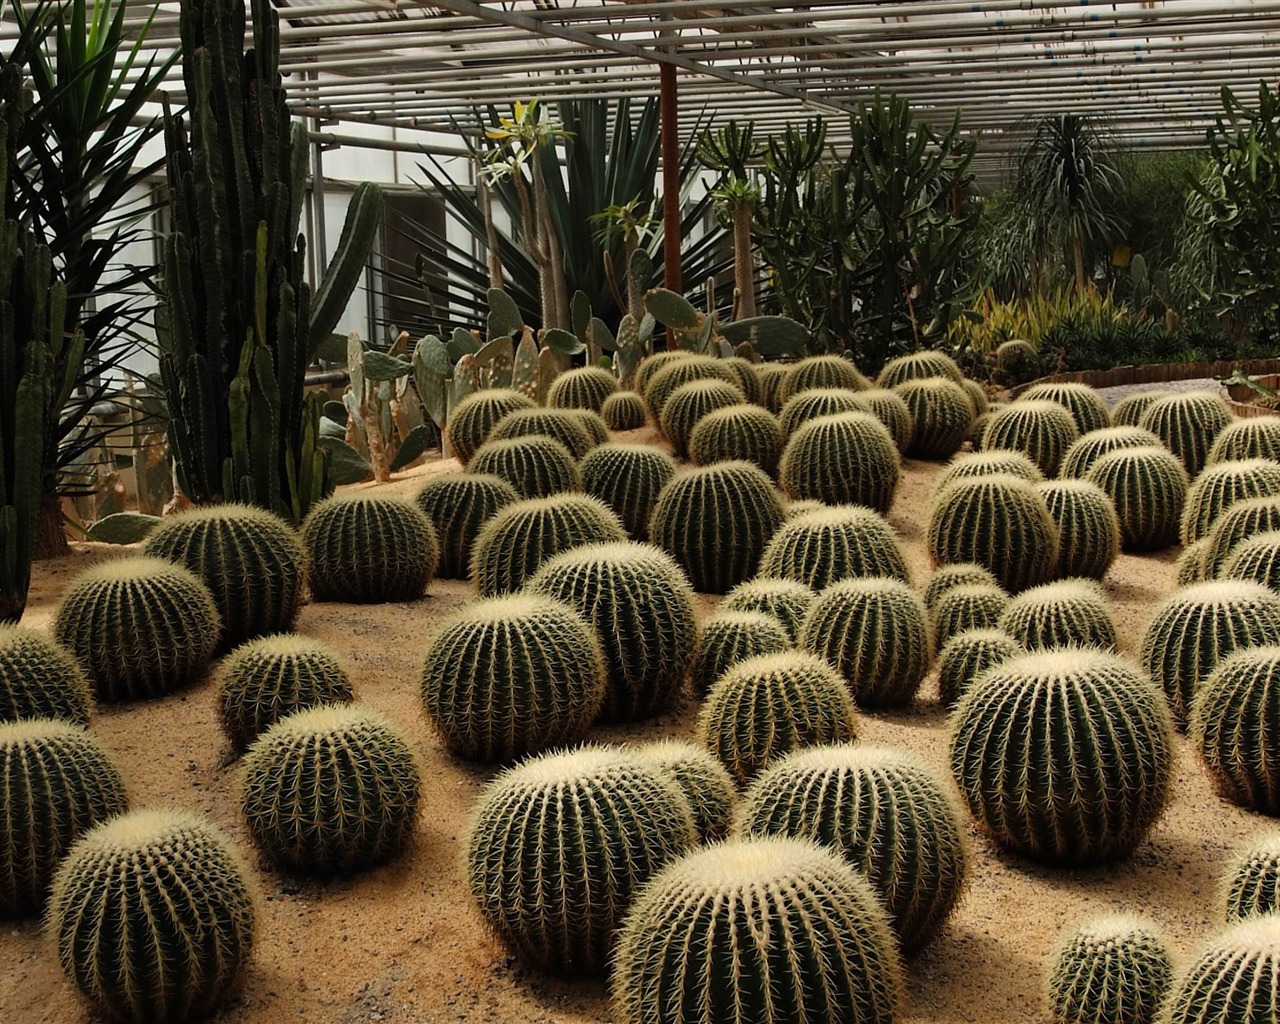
[{"x": 240, "y": 324}]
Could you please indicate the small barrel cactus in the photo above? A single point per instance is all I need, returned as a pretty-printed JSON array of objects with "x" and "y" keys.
[
  {"x": 534, "y": 467},
  {"x": 1112, "y": 969},
  {"x": 1233, "y": 980},
  {"x": 628, "y": 478},
  {"x": 702, "y": 779},
  {"x": 885, "y": 812},
  {"x": 1087, "y": 407},
  {"x": 966, "y": 656},
  {"x": 830, "y": 371},
  {"x": 942, "y": 414},
  {"x": 821, "y": 547},
  {"x": 1187, "y": 424},
  {"x": 624, "y": 410},
  {"x": 999, "y": 522},
  {"x": 558, "y": 424},
  {"x": 770, "y": 376},
  {"x": 1100, "y": 739},
  {"x": 919, "y": 366},
  {"x": 744, "y": 371},
  {"x": 139, "y": 627},
  {"x": 597, "y": 429},
  {"x": 651, "y": 364},
  {"x": 1243, "y": 521},
  {"x": 957, "y": 574},
  {"x": 1042, "y": 430},
  {"x": 977, "y": 396},
  {"x": 806, "y": 935},
  {"x": 1198, "y": 626},
  {"x": 689, "y": 403},
  {"x": 795, "y": 509},
  {"x": 250, "y": 559},
  {"x": 369, "y": 549},
  {"x": 521, "y": 537},
  {"x": 1256, "y": 559},
  {"x": 732, "y": 637},
  {"x": 667, "y": 380},
  {"x": 58, "y": 783},
  {"x": 1234, "y": 724},
  {"x": 989, "y": 463},
  {"x": 330, "y": 790},
  {"x": 1219, "y": 487},
  {"x": 889, "y": 408},
  {"x": 875, "y": 632},
  {"x": 1083, "y": 453},
  {"x": 696, "y": 513},
  {"x": 1148, "y": 487},
  {"x": 458, "y": 504},
  {"x": 785, "y": 601},
  {"x": 977, "y": 606},
  {"x": 152, "y": 917},
  {"x": 1088, "y": 527},
  {"x": 1017, "y": 362},
  {"x": 846, "y": 459},
  {"x": 773, "y": 704},
  {"x": 737, "y": 432},
  {"x": 1255, "y": 438},
  {"x": 812, "y": 405},
  {"x": 643, "y": 612},
  {"x": 262, "y": 681},
  {"x": 1062, "y": 614},
  {"x": 513, "y": 675},
  {"x": 1191, "y": 568},
  {"x": 560, "y": 845},
  {"x": 587, "y": 387},
  {"x": 478, "y": 413},
  {"x": 1250, "y": 883},
  {"x": 1130, "y": 409},
  {"x": 40, "y": 679}
]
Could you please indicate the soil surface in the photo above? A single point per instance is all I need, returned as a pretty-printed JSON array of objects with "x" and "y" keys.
[{"x": 404, "y": 944}]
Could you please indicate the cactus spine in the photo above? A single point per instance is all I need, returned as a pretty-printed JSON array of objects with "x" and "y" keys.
[
  {"x": 846, "y": 459},
  {"x": 1250, "y": 883},
  {"x": 1112, "y": 969},
  {"x": 367, "y": 549},
  {"x": 628, "y": 478},
  {"x": 822, "y": 547},
  {"x": 458, "y": 505},
  {"x": 40, "y": 679}
]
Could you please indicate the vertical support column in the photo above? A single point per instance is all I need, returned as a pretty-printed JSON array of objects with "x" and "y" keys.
[{"x": 672, "y": 277}]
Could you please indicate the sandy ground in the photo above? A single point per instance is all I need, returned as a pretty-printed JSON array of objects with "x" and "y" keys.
[{"x": 404, "y": 944}]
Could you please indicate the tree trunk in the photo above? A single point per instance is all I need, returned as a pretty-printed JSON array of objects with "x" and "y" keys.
[
  {"x": 1078, "y": 245},
  {"x": 744, "y": 278},
  {"x": 50, "y": 537},
  {"x": 494, "y": 257}
]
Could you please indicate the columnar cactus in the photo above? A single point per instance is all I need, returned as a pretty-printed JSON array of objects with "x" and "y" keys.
[
  {"x": 885, "y": 813},
  {"x": 989, "y": 463},
  {"x": 889, "y": 408},
  {"x": 1100, "y": 739},
  {"x": 628, "y": 478},
  {"x": 663, "y": 384},
  {"x": 152, "y": 917},
  {"x": 587, "y": 387},
  {"x": 643, "y": 612},
  {"x": 748, "y": 379},
  {"x": 1187, "y": 424},
  {"x": 1148, "y": 487},
  {"x": 40, "y": 679},
  {"x": 1219, "y": 487},
  {"x": 1129, "y": 410},
  {"x": 942, "y": 414},
  {"x": 811, "y": 405},
  {"x": 875, "y": 631},
  {"x": 919, "y": 366},
  {"x": 139, "y": 627},
  {"x": 1087, "y": 407},
  {"x": 651, "y": 364},
  {"x": 513, "y": 675},
  {"x": 1083, "y": 453},
  {"x": 977, "y": 606},
  {"x": 785, "y": 601},
  {"x": 1191, "y": 567},
  {"x": 745, "y": 432},
  {"x": 1255, "y": 438},
  {"x": 250, "y": 559},
  {"x": 471, "y": 419},
  {"x": 966, "y": 656},
  {"x": 561, "y": 844},
  {"x": 807, "y": 936},
  {"x": 1112, "y": 969},
  {"x": 702, "y": 779},
  {"x": 58, "y": 783},
  {"x": 558, "y": 424},
  {"x": 689, "y": 403},
  {"x": 624, "y": 410},
  {"x": 957, "y": 574},
  {"x": 330, "y": 790},
  {"x": 1244, "y": 520},
  {"x": 1250, "y": 883},
  {"x": 822, "y": 547},
  {"x": 1234, "y": 724},
  {"x": 1043, "y": 430},
  {"x": 771, "y": 376},
  {"x": 1233, "y": 980},
  {"x": 999, "y": 522},
  {"x": 828, "y": 371},
  {"x": 697, "y": 513},
  {"x": 773, "y": 704},
  {"x": 1256, "y": 559},
  {"x": 458, "y": 505},
  {"x": 512, "y": 545},
  {"x": 846, "y": 459},
  {"x": 534, "y": 467},
  {"x": 369, "y": 549},
  {"x": 1196, "y": 627},
  {"x": 1063, "y": 614},
  {"x": 262, "y": 681},
  {"x": 1088, "y": 527},
  {"x": 732, "y": 637}
]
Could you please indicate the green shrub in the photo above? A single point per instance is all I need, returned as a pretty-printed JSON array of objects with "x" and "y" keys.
[
  {"x": 702, "y": 779},
  {"x": 477, "y": 414},
  {"x": 814, "y": 404},
  {"x": 458, "y": 505},
  {"x": 785, "y": 601},
  {"x": 919, "y": 366},
  {"x": 1083, "y": 453},
  {"x": 152, "y": 917},
  {"x": 771, "y": 376},
  {"x": 1187, "y": 424},
  {"x": 845, "y": 459},
  {"x": 1250, "y": 883},
  {"x": 1256, "y": 559},
  {"x": 139, "y": 627},
  {"x": 1088, "y": 527},
  {"x": 1112, "y": 969},
  {"x": 534, "y": 467},
  {"x": 885, "y": 813},
  {"x": 628, "y": 478},
  {"x": 558, "y": 424},
  {"x": 1129, "y": 410},
  {"x": 1191, "y": 568},
  {"x": 1101, "y": 740},
  {"x": 1219, "y": 487},
  {"x": 889, "y": 408},
  {"x": 369, "y": 549},
  {"x": 1087, "y": 407},
  {"x": 1255, "y": 438},
  {"x": 974, "y": 606},
  {"x": 643, "y": 612},
  {"x": 1042, "y": 430},
  {"x": 745, "y": 432},
  {"x": 587, "y": 387},
  {"x": 663, "y": 384},
  {"x": 831, "y": 544},
  {"x": 966, "y": 656},
  {"x": 624, "y": 410},
  {"x": 989, "y": 463},
  {"x": 560, "y": 845},
  {"x": 959, "y": 574},
  {"x": 732, "y": 637},
  {"x": 816, "y": 372},
  {"x": 1233, "y": 980},
  {"x": 689, "y": 403},
  {"x": 1148, "y": 487},
  {"x": 40, "y": 679},
  {"x": 1243, "y": 521},
  {"x": 942, "y": 414}
]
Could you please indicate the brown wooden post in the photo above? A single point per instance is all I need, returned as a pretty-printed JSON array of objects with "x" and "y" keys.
[{"x": 671, "y": 240}]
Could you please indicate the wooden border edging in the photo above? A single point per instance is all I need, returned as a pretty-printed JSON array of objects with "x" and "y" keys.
[{"x": 1154, "y": 373}]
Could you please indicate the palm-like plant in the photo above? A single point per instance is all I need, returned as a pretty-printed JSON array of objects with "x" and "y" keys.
[{"x": 730, "y": 151}]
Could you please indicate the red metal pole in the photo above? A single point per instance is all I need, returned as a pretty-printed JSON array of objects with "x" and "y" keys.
[{"x": 670, "y": 181}]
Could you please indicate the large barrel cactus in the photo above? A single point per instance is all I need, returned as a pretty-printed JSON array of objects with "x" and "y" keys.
[
  {"x": 1087, "y": 407},
  {"x": 828, "y": 371},
  {"x": 804, "y": 932},
  {"x": 587, "y": 387},
  {"x": 731, "y": 637},
  {"x": 1220, "y": 486},
  {"x": 471, "y": 419},
  {"x": 628, "y": 478},
  {"x": 152, "y": 917},
  {"x": 597, "y": 429},
  {"x": 1234, "y": 980},
  {"x": 822, "y": 547},
  {"x": 1088, "y": 527},
  {"x": 747, "y": 375},
  {"x": 1112, "y": 969},
  {"x": 40, "y": 679},
  {"x": 1244, "y": 520},
  {"x": 1148, "y": 487},
  {"x": 1188, "y": 424},
  {"x": 785, "y": 601},
  {"x": 558, "y": 424},
  {"x": 651, "y": 364},
  {"x": 919, "y": 366},
  {"x": 977, "y": 606},
  {"x": 966, "y": 656},
  {"x": 458, "y": 505},
  {"x": 534, "y": 467},
  {"x": 742, "y": 431},
  {"x": 1082, "y": 454},
  {"x": 702, "y": 779},
  {"x": 846, "y": 459},
  {"x": 1042, "y": 430},
  {"x": 369, "y": 549},
  {"x": 689, "y": 403},
  {"x": 889, "y": 408},
  {"x": 1255, "y": 438},
  {"x": 668, "y": 379},
  {"x": 1062, "y": 614},
  {"x": 560, "y": 845},
  {"x": 624, "y": 410},
  {"x": 813, "y": 405},
  {"x": 1250, "y": 881},
  {"x": 1100, "y": 737},
  {"x": 942, "y": 414},
  {"x": 988, "y": 463}
]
